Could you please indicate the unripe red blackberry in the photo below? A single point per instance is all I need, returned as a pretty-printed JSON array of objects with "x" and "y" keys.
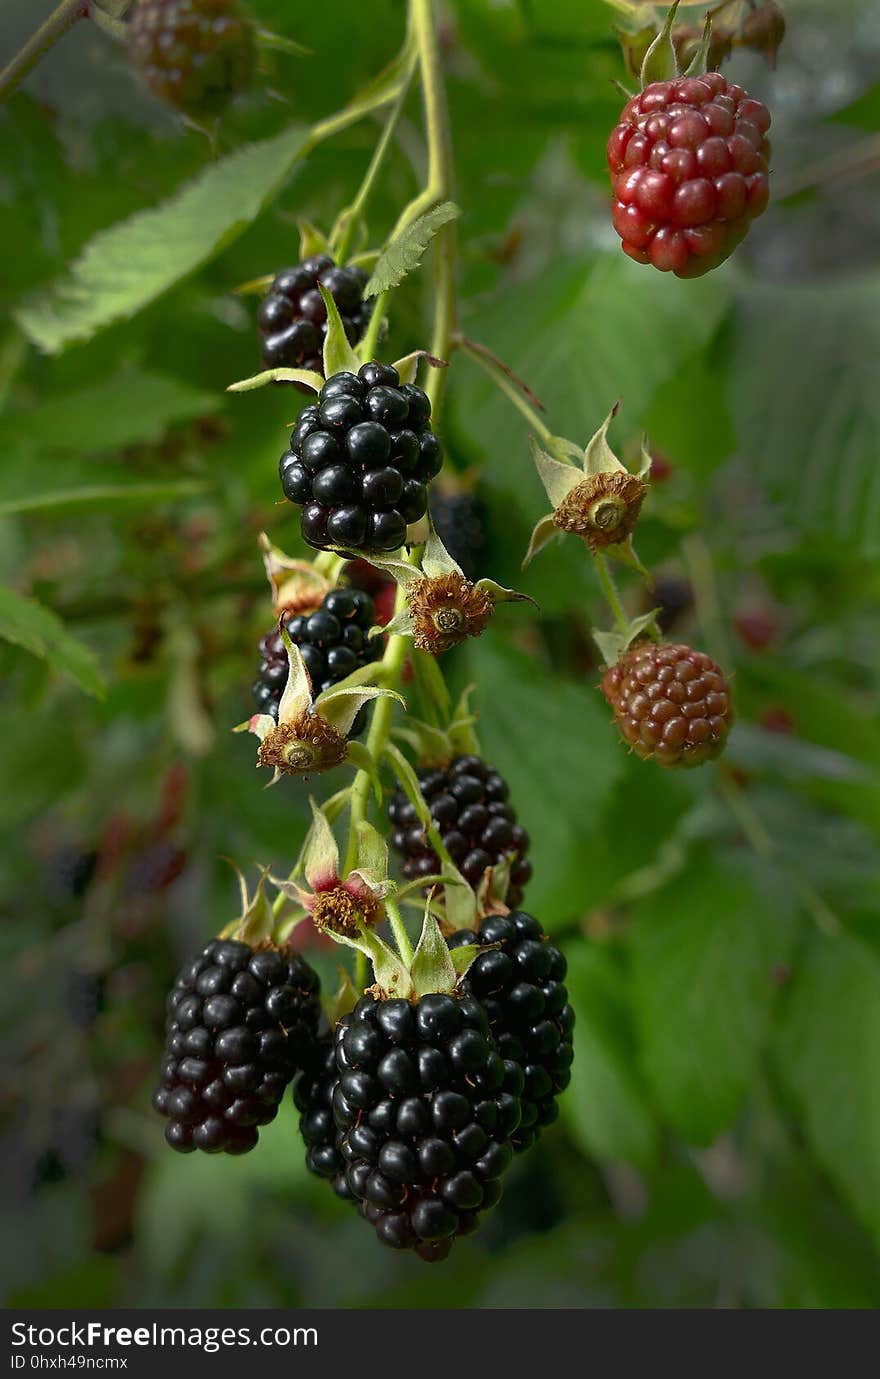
[
  {"x": 520, "y": 982},
  {"x": 425, "y": 1107},
  {"x": 241, "y": 1021},
  {"x": 334, "y": 640},
  {"x": 468, "y": 801},
  {"x": 461, "y": 521},
  {"x": 292, "y": 318},
  {"x": 360, "y": 461},
  {"x": 194, "y": 54},
  {"x": 672, "y": 704},
  {"x": 689, "y": 168}
]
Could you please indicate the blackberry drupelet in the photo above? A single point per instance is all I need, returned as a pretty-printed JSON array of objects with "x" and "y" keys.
[
  {"x": 334, "y": 640},
  {"x": 468, "y": 801},
  {"x": 671, "y": 704},
  {"x": 292, "y": 318},
  {"x": 313, "y": 1097},
  {"x": 360, "y": 460},
  {"x": 425, "y": 1107},
  {"x": 520, "y": 982},
  {"x": 461, "y": 521},
  {"x": 689, "y": 167},
  {"x": 240, "y": 1023},
  {"x": 194, "y": 54}
]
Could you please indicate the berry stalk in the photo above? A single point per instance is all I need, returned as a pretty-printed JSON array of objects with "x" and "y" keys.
[
  {"x": 348, "y": 220},
  {"x": 62, "y": 18}
]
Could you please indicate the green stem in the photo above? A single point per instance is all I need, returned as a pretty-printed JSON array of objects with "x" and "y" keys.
[
  {"x": 62, "y": 18},
  {"x": 390, "y": 670},
  {"x": 398, "y": 929},
  {"x": 514, "y": 395},
  {"x": 609, "y": 589},
  {"x": 348, "y": 221},
  {"x": 367, "y": 347},
  {"x": 440, "y": 183}
]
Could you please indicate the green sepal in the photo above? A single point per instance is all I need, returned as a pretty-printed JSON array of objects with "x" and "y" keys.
[
  {"x": 462, "y": 737},
  {"x": 390, "y": 972},
  {"x": 612, "y": 645},
  {"x": 432, "y": 968},
  {"x": 257, "y": 919},
  {"x": 260, "y": 380},
  {"x": 372, "y": 851},
  {"x": 625, "y": 552},
  {"x": 343, "y": 1000},
  {"x": 254, "y": 286},
  {"x": 557, "y": 476},
  {"x": 544, "y": 531},
  {"x": 408, "y": 366},
  {"x": 339, "y": 357},
  {"x": 699, "y": 63},
  {"x": 661, "y": 61},
  {"x": 463, "y": 957}
]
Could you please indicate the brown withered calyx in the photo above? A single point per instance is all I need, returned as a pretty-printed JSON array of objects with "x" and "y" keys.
[
  {"x": 305, "y": 745},
  {"x": 603, "y": 509},
  {"x": 447, "y": 610}
]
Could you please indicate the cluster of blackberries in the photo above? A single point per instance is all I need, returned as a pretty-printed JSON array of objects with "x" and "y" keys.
[
  {"x": 360, "y": 460},
  {"x": 468, "y": 801},
  {"x": 520, "y": 982},
  {"x": 240, "y": 1023},
  {"x": 334, "y": 641},
  {"x": 194, "y": 54},
  {"x": 461, "y": 521},
  {"x": 292, "y": 318},
  {"x": 414, "y": 1111}
]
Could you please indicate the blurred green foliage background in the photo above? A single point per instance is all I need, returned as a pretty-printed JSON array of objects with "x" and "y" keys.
[{"x": 720, "y": 1143}]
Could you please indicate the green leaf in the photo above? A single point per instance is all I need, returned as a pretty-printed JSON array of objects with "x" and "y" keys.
[
  {"x": 30, "y": 625},
  {"x": 132, "y": 407},
  {"x": 26, "y": 485},
  {"x": 704, "y": 948},
  {"x": 129, "y": 265},
  {"x": 829, "y": 1034},
  {"x": 607, "y": 1106},
  {"x": 551, "y": 740},
  {"x": 546, "y": 330},
  {"x": 405, "y": 252},
  {"x": 812, "y": 434}
]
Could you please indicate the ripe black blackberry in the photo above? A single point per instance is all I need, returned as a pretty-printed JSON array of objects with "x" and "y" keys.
[
  {"x": 461, "y": 521},
  {"x": 194, "y": 54},
  {"x": 468, "y": 803},
  {"x": 292, "y": 319},
  {"x": 425, "y": 1107},
  {"x": 313, "y": 1097},
  {"x": 334, "y": 640},
  {"x": 240, "y": 1023},
  {"x": 520, "y": 982},
  {"x": 360, "y": 460}
]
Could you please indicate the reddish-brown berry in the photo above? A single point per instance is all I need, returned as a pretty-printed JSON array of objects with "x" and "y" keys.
[
  {"x": 689, "y": 169},
  {"x": 194, "y": 54},
  {"x": 672, "y": 704}
]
